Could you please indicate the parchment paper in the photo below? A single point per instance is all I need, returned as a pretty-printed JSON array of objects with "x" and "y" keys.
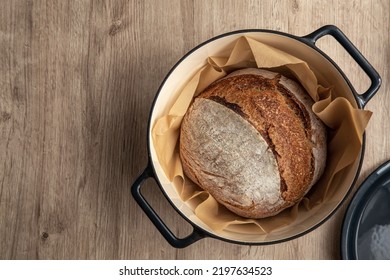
[{"x": 341, "y": 118}]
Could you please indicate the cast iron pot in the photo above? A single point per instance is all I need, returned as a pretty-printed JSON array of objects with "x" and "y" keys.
[{"x": 327, "y": 72}]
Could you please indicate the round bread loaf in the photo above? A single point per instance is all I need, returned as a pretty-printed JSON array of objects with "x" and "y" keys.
[{"x": 252, "y": 141}]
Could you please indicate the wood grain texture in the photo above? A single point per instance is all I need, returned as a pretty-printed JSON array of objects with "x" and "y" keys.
[{"x": 77, "y": 80}]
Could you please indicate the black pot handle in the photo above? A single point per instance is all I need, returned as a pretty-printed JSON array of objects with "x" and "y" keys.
[
  {"x": 156, "y": 220},
  {"x": 356, "y": 55}
]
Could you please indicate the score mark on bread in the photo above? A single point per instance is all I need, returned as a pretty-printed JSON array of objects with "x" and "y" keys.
[{"x": 252, "y": 141}]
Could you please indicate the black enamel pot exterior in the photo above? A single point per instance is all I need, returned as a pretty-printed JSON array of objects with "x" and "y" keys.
[{"x": 301, "y": 47}]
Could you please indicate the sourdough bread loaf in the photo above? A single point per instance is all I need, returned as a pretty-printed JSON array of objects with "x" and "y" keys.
[{"x": 252, "y": 141}]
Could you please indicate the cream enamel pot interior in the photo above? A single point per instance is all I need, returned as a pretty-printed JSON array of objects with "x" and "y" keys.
[{"x": 326, "y": 71}]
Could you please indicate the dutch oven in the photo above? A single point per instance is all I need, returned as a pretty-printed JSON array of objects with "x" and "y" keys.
[{"x": 327, "y": 72}]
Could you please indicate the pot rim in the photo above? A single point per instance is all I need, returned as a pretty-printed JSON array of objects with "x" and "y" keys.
[{"x": 309, "y": 43}]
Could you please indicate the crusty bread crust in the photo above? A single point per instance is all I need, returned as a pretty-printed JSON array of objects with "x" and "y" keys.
[{"x": 252, "y": 141}]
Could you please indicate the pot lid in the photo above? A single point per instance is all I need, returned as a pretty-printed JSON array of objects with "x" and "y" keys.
[{"x": 366, "y": 226}]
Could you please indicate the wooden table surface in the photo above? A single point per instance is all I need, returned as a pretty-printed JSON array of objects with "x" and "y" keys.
[{"x": 77, "y": 80}]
